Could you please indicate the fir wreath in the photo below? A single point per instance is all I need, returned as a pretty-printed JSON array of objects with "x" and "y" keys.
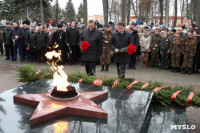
[{"x": 183, "y": 96}]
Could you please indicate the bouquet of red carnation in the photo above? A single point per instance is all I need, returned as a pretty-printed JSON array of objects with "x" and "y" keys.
[
  {"x": 28, "y": 48},
  {"x": 84, "y": 45},
  {"x": 130, "y": 49}
]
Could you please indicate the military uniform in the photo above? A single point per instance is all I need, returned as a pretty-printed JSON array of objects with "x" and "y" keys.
[
  {"x": 155, "y": 54},
  {"x": 106, "y": 53},
  {"x": 188, "y": 50},
  {"x": 164, "y": 50},
  {"x": 176, "y": 49}
]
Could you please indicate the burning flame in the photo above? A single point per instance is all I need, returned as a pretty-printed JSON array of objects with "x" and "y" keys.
[
  {"x": 60, "y": 127},
  {"x": 59, "y": 76}
]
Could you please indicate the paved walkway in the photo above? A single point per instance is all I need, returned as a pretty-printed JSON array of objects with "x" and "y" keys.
[{"x": 8, "y": 78}]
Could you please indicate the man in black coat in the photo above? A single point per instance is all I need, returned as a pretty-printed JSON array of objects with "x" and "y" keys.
[
  {"x": 59, "y": 37},
  {"x": 32, "y": 54},
  {"x": 18, "y": 40},
  {"x": 73, "y": 41},
  {"x": 7, "y": 41},
  {"x": 135, "y": 42},
  {"x": 121, "y": 39},
  {"x": 41, "y": 42},
  {"x": 26, "y": 39},
  {"x": 94, "y": 37}
]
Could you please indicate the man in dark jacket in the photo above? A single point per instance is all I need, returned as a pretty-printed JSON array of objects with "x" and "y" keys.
[
  {"x": 135, "y": 42},
  {"x": 26, "y": 39},
  {"x": 59, "y": 37},
  {"x": 41, "y": 42},
  {"x": 94, "y": 37},
  {"x": 7, "y": 41},
  {"x": 121, "y": 39},
  {"x": 18, "y": 40},
  {"x": 73, "y": 41},
  {"x": 32, "y": 54}
]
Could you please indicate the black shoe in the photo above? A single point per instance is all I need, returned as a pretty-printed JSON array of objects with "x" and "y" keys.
[
  {"x": 106, "y": 68},
  {"x": 176, "y": 70},
  {"x": 189, "y": 71},
  {"x": 102, "y": 68},
  {"x": 21, "y": 60},
  {"x": 134, "y": 68},
  {"x": 7, "y": 59},
  {"x": 129, "y": 67},
  {"x": 13, "y": 59},
  {"x": 162, "y": 67}
]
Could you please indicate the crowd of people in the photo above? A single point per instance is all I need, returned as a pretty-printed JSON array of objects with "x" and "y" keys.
[{"x": 176, "y": 49}]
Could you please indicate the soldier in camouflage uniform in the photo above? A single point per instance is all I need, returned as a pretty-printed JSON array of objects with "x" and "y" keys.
[
  {"x": 175, "y": 50},
  {"x": 164, "y": 50},
  {"x": 106, "y": 53},
  {"x": 155, "y": 51},
  {"x": 188, "y": 51}
]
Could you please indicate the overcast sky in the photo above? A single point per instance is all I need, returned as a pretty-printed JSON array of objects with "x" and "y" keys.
[{"x": 94, "y": 6}]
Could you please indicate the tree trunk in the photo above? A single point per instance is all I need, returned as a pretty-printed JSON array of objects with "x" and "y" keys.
[
  {"x": 197, "y": 13},
  {"x": 175, "y": 16},
  {"x": 85, "y": 14},
  {"x": 182, "y": 10},
  {"x": 105, "y": 11},
  {"x": 41, "y": 12},
  {"x": 129, "y": 9},
  {"x": 161, "y": 11},
  {"x": 167, "y": 14},
  {"x": 123, "y": 10}
]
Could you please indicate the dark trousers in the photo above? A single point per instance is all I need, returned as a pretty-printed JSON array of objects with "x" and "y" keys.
[
  {"x": 18, "y": 46},
  {"x": 40, "y": 54},
  {"x": 121, "y": 70},
  {"x": 74, "y": 54},
  {"x": 132, "y": 60},
  {"x": 32, "y": 55},
  {"x": 1, "y": 47},
  {"x": 9, "y": 51},
  {"x": 90, "y": 67},
  {"x": 24, "y": 50}
]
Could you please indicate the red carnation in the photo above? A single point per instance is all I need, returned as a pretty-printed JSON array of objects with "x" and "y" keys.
[
  {"x": 131, "y": 49},
  {"x": 84, "y": 45}
]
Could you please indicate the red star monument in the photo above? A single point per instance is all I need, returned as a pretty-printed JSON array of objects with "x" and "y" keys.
[{"x": 48, "y": 109}]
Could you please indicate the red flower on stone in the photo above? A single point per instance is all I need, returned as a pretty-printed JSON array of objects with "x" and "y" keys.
[
  {"x": 131, "y": 49},
  {"x": 84, "y": 45}
]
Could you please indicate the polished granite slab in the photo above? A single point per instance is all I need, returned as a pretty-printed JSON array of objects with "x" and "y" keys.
[{"x": 128, "y": 112}]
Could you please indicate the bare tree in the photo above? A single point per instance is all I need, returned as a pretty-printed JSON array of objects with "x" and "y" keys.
[
  {"x": 85, "y": 12},
  {"x": 166, "y": 13},
  {"x": 105, "y": 11},
  {"x": 129, "y": 10},
  {"x": 161, "y": 11},
  {"x": 41, "y": 12},
  {"x": 175, "y": 16},
  {"x": 182, "y": 6},
  {"x": 123, "y": 11}
]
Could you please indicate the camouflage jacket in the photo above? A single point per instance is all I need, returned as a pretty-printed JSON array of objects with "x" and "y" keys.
[
  {"x": 189, "y": 46},
  {"x": 155, "y": 41},
  {"x": 107, "y": 35},
  {"x": 176, "y": 46},
  {"x": 165, "y": 44}
]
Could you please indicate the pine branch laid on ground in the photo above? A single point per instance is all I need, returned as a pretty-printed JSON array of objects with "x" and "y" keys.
[{"x": 163, "y": 95}]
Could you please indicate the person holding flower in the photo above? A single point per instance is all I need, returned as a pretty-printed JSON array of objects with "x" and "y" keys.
[
  {"x": 122, "y": 45},
  {"x": 91, "y": 46}
]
